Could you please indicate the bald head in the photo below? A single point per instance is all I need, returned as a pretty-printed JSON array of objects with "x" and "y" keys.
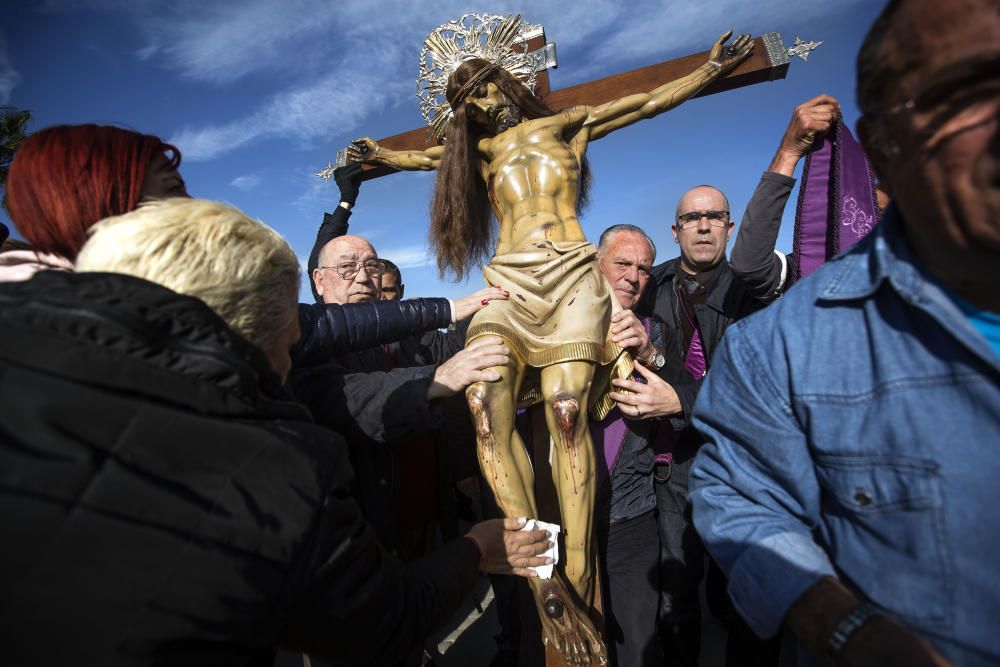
[
  {"x": 702, "y": 227},
  {"x": 348, "y": 271},
  {"x": 700, "y": 191},
  {"x": 344, "y": 246}
]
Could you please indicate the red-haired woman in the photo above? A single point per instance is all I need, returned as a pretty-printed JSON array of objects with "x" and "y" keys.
[{"x": 66, "y": 178}]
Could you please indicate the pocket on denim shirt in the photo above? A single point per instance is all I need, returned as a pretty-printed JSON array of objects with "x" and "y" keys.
[{"x": 884, "y": 522}]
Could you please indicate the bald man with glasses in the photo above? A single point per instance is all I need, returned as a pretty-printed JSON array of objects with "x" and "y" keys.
[{"x": 698, "y": 295}]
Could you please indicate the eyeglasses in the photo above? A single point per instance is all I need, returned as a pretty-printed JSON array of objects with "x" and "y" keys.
[
  {"x": 715, "y": 218},
  {"x": 941, "y": 112},
  {"x": 348, "y": 270}
]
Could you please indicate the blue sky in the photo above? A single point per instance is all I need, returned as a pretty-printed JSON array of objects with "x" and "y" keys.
[{"x": 259, "y": 94}]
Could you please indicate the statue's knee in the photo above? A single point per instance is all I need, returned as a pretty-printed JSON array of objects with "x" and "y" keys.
[
  {"x": 475, "y": 395},
  {"x": 566, "y": 410}
]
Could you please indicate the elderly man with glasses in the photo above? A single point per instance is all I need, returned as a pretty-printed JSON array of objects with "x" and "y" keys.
[
  {"x": 349, "y": 271},
  {"x": 698, "y": 295},
  {"x": 399, "y": 404}
]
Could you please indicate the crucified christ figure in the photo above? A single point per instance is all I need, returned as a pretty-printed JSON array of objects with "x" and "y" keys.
[{"x": 506, "y": 152}]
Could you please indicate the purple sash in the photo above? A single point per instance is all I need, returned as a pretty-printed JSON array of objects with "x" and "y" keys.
[
  {"x": 608, "y": 435},
  {"x": 836, "y": 207},
  {"x": 694, "y": 361}
]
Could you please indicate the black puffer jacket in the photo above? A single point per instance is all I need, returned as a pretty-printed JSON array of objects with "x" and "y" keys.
[
  {"x": 162, "y": 502},
  {"x": 331, "y": 330}
]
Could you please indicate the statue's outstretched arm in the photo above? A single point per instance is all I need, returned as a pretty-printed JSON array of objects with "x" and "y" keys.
[
  {"x": 624, "y": 111},
  {"x": 366, "y": 149}
]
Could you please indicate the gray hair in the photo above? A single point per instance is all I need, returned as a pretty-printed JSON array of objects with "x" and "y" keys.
[{"x": 606, "y": 235}]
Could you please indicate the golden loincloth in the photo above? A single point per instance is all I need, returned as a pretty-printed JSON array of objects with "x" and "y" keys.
[{"x": 559, "y": 309}]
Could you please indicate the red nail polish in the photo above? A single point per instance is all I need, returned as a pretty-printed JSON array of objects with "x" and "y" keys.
[{"x": 485, "y": 301}]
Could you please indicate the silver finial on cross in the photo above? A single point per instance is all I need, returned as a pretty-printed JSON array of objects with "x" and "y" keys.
[
  {"x": 802, "y": 48},
  {"x": 326, "y": 172}
]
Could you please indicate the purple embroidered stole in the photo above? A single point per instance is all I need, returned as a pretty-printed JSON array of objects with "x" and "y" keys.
[{"x": 836, "y": 206}]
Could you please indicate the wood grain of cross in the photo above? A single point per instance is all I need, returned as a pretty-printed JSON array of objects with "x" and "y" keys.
[{"x": 768, "y": 62}]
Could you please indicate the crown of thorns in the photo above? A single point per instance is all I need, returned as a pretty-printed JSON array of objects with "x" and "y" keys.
[{"x": 497, "y": 39}]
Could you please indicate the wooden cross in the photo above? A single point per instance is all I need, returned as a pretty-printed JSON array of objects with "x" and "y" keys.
[{"x": 768, "y": 62}]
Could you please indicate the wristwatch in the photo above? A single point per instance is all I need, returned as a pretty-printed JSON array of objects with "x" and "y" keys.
[
  {"x": 848, "y": 626},
  {"x": 656, "y": 361}
]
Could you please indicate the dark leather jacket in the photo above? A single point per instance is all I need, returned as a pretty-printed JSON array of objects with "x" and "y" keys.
[
  {"x": 754, "y": 278},
  {"x": 631, "y": 492}
]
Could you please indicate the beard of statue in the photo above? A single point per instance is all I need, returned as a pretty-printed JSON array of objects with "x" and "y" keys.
[{"x": 462, "y": 231}]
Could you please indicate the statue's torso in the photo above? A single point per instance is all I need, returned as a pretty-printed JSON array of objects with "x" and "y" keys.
[{"x": 534, "y": 179}]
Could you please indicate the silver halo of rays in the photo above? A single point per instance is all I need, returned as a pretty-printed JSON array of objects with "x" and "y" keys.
[{"x": 497, "y": 39}]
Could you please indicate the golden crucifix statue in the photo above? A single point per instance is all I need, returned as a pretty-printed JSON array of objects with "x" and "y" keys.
[{"x": 507, "y": 154}]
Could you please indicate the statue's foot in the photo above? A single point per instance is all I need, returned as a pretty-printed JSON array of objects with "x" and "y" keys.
[{"x": 567, "y": 627}]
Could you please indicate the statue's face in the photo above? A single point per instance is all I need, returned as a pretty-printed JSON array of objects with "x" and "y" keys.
[{"x": 490, "y": 107}]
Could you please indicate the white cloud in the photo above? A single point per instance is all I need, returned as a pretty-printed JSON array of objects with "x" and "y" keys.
[
  {"x": 341, "y": 62},
  {"x": 337, "y": 103},
  {"x": 316, "y": 193},
  {"x": 222, "y": 42},
  {"x": 246, "y": 183},
  {"x": 9, "y": 77},
  {"x": 407, "y": 257}
]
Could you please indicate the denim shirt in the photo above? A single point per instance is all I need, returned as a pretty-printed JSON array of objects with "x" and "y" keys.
[{"x": 853, "y": 430}]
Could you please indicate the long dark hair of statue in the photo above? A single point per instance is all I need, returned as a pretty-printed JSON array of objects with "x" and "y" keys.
[{"x": 462, "y": 230}]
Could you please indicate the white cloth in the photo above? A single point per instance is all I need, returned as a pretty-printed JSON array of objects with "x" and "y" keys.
[{"x": 553, "y": 529}]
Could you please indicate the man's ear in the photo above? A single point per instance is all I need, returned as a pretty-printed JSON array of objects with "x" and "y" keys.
[
  {"x": 316, "y": 281},
  {"x": 868, "y": 135},
  {"x": 729, "y": 231},
  {"x": 673, "y": 230}
]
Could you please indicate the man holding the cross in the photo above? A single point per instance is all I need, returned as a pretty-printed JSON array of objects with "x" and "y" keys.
[
  {"x": 506, "y": 151},
  {"x": 698, "y": 295}
]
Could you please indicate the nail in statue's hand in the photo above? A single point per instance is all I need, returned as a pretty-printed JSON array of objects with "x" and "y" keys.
[
  {"x": 727, "y": 57},
  {"x": 364, "y": 149}
]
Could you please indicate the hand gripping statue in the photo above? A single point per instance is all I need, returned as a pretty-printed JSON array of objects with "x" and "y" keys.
[{"x": 505, "y": 152}]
